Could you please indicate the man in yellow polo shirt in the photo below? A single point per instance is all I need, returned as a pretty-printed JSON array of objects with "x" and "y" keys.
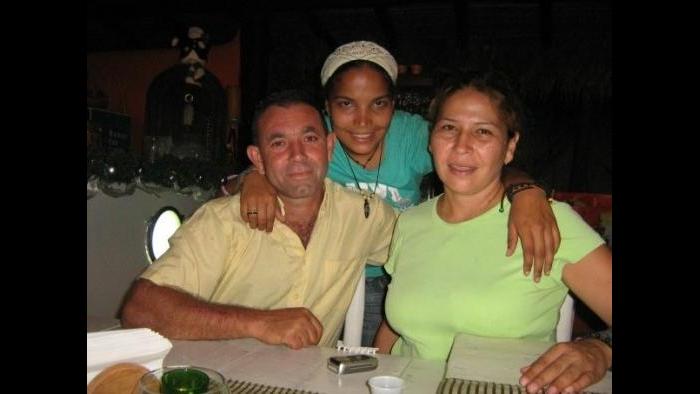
[{"x": 220, "y": 279}]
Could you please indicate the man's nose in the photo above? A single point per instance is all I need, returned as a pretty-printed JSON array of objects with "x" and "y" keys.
[{"x": 297, "y": 150}]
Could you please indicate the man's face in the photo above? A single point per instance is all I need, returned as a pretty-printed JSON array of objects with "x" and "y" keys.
[{"x": 293, "y": 150}]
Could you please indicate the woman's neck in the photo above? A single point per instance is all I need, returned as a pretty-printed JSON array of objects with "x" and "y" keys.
[
  {"x": 454, "y": 207},
  {"x": 368, "y": 161}
]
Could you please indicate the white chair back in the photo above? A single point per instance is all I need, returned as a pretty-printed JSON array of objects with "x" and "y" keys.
[
  {"x": 354, "y": 318},
  {"x": 566, "y": 320}
]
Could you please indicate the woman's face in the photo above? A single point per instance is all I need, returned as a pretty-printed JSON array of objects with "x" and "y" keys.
[
  {"x": 360, "y": 108},
  {"x": 469, "y": 143}
]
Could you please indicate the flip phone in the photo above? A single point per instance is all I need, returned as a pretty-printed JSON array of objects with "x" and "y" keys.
[{"x": 351, "y": 364}]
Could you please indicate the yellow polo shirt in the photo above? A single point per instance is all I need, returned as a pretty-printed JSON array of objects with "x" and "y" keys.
[{"x": 216, "y": 257}]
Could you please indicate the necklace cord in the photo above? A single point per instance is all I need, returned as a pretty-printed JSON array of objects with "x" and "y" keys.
[
  {"x": 354, "y": 177},
  {"x": 368, "y": 159}
]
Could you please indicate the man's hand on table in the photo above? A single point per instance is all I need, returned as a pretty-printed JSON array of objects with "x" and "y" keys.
[{"x": 294, "y": 327}]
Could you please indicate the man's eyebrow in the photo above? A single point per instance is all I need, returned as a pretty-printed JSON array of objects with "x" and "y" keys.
[
  {"x": 312, "y": 129},
  {"x": 275, "y": 134},
  {"x": 280, "y": 134}
]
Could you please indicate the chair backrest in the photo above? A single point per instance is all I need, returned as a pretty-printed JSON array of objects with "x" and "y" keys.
[
  {"x": 354, "y": 318},
  {"x": 566, "y": 320}
]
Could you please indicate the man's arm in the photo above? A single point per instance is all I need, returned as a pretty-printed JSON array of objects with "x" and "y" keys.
[
  {"x": 532, "y": 220},
  {"x": 178, "y": 315}
]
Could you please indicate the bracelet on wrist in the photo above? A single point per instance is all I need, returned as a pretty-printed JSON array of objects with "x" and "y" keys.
[
  {"x": 515, "y": 188},
  {"x": 239, "y": 180},
  {"x": 225, "y": 181},
  {"x": 604, "y": 336},
  {"x": 242, "y": 175}
]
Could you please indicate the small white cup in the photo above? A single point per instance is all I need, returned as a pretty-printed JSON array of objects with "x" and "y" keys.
[{"x": 386, "y": 385}]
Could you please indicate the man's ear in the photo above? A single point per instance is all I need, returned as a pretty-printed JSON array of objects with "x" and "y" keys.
[
  {"x": 330, "y": 143},
  {"x": 255, "y": 157}
]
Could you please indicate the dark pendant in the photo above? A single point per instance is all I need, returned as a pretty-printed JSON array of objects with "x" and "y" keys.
[{"x": 366, "y": 208}]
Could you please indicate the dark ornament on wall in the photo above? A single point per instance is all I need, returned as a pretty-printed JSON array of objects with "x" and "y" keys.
[
  {"x": 186, "y": 107},
  {"x": 120, "y": 173}
]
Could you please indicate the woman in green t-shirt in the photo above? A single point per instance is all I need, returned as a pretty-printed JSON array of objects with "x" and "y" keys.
[{"x": 449, "y": 274}]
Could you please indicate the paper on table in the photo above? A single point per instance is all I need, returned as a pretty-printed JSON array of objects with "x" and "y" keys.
[
  {"x": 499, "y": 360},
  {"x": 138, "y": 345}
]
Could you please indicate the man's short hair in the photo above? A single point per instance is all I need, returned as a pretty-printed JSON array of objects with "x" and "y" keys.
[{"x": 284, "y": 98}]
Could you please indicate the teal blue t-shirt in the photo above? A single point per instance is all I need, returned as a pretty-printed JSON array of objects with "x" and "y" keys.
[{"x": 405, "y": 160}]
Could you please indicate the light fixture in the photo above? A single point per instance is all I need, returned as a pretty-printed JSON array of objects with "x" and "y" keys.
[{"x": 159, "y": 228}]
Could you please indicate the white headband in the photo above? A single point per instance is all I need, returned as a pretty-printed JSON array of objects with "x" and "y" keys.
[{"x": 359, "y": 50}]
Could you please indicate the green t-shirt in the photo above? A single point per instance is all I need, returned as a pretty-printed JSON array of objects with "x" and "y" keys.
[{"x": 449, "y": 278}]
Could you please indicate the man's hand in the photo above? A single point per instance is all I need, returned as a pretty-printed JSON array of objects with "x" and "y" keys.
[
  {"x": 532, "y": 220},
  {"x": 294, "y": 327},
  {"x": 259, "y": 205},
  {"x": 568, "y": 367}
]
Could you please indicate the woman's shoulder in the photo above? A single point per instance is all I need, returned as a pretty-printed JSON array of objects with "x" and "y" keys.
[
  {"x": 224, "y": 208},
  {"x": 408, "y": 130},
  {"x": 419, "y": 212},
  {"x": 564, "y": 211},
  {"x": 570, "y": 222},
  {"x": 406, "y": 119}
]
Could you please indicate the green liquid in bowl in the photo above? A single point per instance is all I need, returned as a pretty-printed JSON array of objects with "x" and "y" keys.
[{"x": 184, "y": 381}]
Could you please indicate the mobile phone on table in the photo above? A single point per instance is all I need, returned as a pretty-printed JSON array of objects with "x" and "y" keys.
[{"x": 351, "y": 364}]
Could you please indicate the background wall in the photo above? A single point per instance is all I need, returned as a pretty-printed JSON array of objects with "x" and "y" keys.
[
  {"x": 116, "y": 243},
  {"x": 558, "y": 51},
  {"x": 559, "y": 54},
  {"x": 124, "y": 76}
]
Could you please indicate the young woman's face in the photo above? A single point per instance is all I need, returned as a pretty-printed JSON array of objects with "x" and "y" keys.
[
  {"x": 469, "y": 142},
  {"x": 360, "y": 108}
]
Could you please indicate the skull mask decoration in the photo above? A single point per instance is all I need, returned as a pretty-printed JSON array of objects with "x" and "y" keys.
[{"x": 194, "y": 49}]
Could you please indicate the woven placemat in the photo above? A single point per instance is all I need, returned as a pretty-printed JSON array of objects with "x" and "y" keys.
[
  {"x": 239, "y": 386},
  {"x": 463, "y": 386}
]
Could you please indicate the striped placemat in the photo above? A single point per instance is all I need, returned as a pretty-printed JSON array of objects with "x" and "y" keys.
[
  {"x": 239, "y": 386},
  {"x": 462, "y": 386}
]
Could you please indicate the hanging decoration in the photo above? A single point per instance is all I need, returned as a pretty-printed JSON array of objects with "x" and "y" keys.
[
  {"x": 118, "y": 173},
  {"x": 186, "y": 114}
]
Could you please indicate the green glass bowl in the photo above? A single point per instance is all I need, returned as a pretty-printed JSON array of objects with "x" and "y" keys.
[{"x": 183, "y": 379}]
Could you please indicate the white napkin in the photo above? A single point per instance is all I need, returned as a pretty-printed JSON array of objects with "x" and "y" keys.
[{"x": 137, "y": 345}]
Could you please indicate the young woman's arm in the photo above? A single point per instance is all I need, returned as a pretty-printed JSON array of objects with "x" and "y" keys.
[{"x": 578, "y": 364}]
